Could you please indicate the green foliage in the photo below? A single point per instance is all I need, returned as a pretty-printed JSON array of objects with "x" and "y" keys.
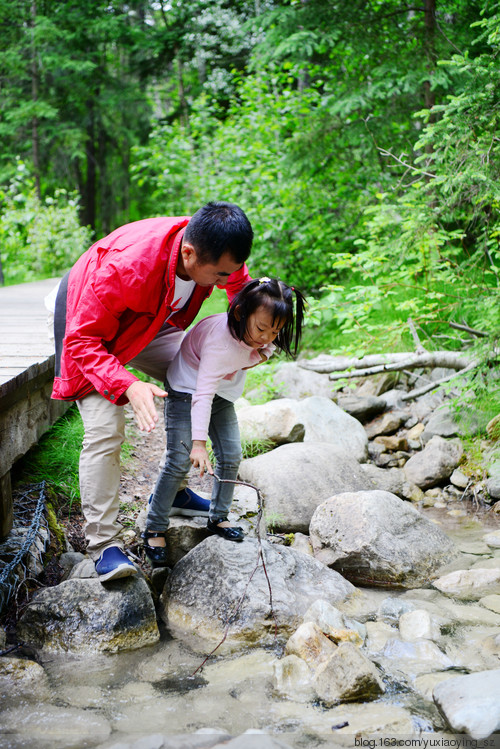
[
  {"x": 55, "y": 458},
  {"x": 38, "y": 239},
  {"x": 253, "y": 447}
]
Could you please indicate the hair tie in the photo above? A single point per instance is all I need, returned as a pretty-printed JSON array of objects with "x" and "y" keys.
[
  {"x": 264, "y": 279},
  {"x": 292, "y": 288}
]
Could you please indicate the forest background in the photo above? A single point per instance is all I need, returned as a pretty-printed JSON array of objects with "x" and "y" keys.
[{"x": 362, "y": 139}]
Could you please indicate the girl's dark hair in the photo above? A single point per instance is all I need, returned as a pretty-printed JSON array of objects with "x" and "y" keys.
[
  {"x": 278, "y": 298},
  {"x": 217, "y": 228}
]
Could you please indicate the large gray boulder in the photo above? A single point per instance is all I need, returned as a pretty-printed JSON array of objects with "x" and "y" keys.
[
  {"x": 375, "y": 538},
  {"x": 85, "y": 616},
  {"x": 470, "y": 703},
  {"x": 314, "y": 419},
  {"x": 294, "y": 479},
  {"x": 205, "y": 589},
  {"x": 436, "y": 462},
  {"x": 292, "y": 381}
]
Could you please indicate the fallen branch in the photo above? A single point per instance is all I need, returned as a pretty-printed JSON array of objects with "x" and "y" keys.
[
  {"x": 260, "y": 557},
  {"x": 432, "y": 385},
  {"x": 396, "y": 362},
  {"x": 466, "y": 329}
]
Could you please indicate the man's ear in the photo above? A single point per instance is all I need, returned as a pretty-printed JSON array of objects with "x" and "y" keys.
[{"x": 188, "y": 254}]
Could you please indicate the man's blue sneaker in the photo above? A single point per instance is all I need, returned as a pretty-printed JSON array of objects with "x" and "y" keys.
[
  {"x": 114, "y": 563},
  {"x": 189, "y": 504}
]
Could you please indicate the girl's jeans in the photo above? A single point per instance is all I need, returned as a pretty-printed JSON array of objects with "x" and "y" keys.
[{"x": 225, "y": 436}]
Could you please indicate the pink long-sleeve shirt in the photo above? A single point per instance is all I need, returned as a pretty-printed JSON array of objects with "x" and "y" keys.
[{"x": 209, "y": 362}]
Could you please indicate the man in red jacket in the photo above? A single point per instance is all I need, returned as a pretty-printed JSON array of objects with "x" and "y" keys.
[{"x": 128, "y": 300}]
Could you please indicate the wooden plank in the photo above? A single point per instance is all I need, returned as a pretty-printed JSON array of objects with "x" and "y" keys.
[{"x": 26, "y": 375}]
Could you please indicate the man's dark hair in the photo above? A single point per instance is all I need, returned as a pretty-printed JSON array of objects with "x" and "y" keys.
[
  {"x": 285, "y": 303},
  {"x": 217, "y": 228}
]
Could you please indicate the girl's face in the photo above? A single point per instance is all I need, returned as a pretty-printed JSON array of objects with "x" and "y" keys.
[{"x": 261, "y": 328}]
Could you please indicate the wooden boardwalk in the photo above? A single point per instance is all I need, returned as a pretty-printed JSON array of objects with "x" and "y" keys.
[{"x": 26, "y": 374}]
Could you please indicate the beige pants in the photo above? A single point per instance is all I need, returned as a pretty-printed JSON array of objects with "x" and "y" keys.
[{"x": 104, "y": 425}]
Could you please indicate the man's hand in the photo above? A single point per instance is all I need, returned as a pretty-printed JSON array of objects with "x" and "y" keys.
[
  {"x": 141, "y": 397},
  {"x": 199, "y": 457}
]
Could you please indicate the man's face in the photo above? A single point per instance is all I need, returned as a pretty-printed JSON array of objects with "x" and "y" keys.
[{"x": 208, "y": 274}]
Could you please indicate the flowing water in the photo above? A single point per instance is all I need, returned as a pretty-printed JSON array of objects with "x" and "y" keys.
[{"x": 109, "y": 699}]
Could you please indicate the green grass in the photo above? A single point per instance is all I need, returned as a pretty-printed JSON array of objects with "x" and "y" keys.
[{"x": 55, "y": 459}]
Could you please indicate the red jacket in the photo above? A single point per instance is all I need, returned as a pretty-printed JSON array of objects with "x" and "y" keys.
[{"x": 119, "y": 295}]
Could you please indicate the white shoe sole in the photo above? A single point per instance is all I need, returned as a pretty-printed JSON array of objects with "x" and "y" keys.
[
  {"x": 189, "y": 513},
  {"x": 123, "y": 570}
]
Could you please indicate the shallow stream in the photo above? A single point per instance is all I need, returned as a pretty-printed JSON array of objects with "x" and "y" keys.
[{"x": 105, "y": 700}]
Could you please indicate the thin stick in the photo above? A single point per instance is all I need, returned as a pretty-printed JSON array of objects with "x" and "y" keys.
[{"x": 260, "y": 556}]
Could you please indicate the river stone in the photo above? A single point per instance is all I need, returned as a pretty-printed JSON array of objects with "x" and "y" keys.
[
  {"x": 386, "y": 423},
  {"x": 314, "y": 419},
  {"x": 20, "y": 677},
  {"x": 347, "y": 676},
  {"x": 363, "y": 408},
  {"x": 444, "y": 422},
  {"x": 86, "y": 616},
  {"x": 470, "y": 703},
  {"x": 436, "y": 462},
  {"x": 393, "y": 480},
  {"x": 470, "y": 585},
  {"x": 293, "y": 679},
  {"x": 206, "y": 586},
  {"x": 309, "y": 643},
  {"x": 47, "y": 726},
  {"x": 377, "y": 636},
  {"x": 416, "y": 625},
  {"x": 491, "y": 602},
  {"x": 375, "y": 538},
  {"x": 413, "y": 658},
  {"x": 294, "y": 479},
  {"x": 293, "y": 381}
]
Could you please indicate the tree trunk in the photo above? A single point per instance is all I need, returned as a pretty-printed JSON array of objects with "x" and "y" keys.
[
  {"x": 430, "y": 53},
  {"x": 90, "y": 150},
  {"x": 35, "y": 135}
]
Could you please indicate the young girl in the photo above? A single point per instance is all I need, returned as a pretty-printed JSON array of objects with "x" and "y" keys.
[{"x": 203, "y": 381}]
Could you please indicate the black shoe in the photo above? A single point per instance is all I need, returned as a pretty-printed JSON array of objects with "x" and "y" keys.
[
  {"x": 234, "y": 533},
  {"x": 157, "y": 555}
]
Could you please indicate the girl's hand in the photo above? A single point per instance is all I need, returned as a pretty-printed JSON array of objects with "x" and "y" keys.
[{"x": 199, "y": 457}]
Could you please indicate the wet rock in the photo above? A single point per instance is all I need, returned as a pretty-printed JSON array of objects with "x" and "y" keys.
[
  {"x": 412, "y": 658},
  {"x": 470, "y": 585},
  {"x": 362, "y": 408},
  {"x": 294, "y": 479},
  {"x": 376, "y": 538},
  {"x": 309, "y": 643},
  {"x": 48, "y": 726},
  {"x": 492, "y": 539},
  {"x": 436, "y": 462},
  {"x": 470, "y": 703},
  {"x": 377, "y": 636},
  {"x": 87, "y": 616},
  {"x": 416, "y": 625},
  {"x": 293, "y": 381},
  {"x": 20, "y": 677},
  {"x": 325, "y": 616},
  {"x": 491, "y": 602},
  {"x": 347, "y": 676},
  {"x": 205, "y": 588},
  {"x": 293, "y": 679}
]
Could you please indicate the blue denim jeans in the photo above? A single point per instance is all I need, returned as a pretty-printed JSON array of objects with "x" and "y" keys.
[{"x": 226, "y": 444}]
